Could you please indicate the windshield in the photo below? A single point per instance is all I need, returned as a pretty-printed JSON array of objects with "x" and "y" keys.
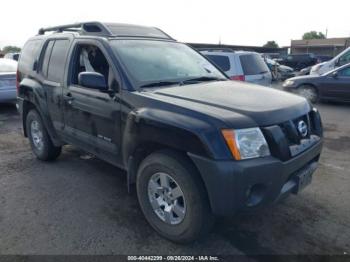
[{"x": 150, "y": 61}]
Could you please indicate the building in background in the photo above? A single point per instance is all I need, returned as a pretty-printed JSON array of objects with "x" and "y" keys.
[{"x": 329, "y": 46}]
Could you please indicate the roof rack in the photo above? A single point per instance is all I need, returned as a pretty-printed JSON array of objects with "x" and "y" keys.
[
  {"x": 217, "y": 49},
  {"x": 95, "y": 28},
  {"x": 108, "y": 30}
]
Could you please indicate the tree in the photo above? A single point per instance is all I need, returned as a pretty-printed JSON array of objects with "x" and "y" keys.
[
  {"x": 313, "y": 35},
  {"x": 271, "y": 44},
  {"x": 11, "y": 49}
]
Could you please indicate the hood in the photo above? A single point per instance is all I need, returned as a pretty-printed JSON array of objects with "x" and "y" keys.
[{"x": 230, "y": 100}]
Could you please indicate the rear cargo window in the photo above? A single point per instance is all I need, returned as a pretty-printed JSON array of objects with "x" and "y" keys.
[
  {"x": 58, "y": 60},
  {"x": 253, "y": 64},
  {"x": 223, "y": 62},
  {"x": 30, "y": 53}
]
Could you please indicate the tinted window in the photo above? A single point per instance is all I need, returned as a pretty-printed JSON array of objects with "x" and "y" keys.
[
  {"x": 253, "y": 64},
  {"x": 46, "y": 59},
  {"x": 58, "y": 60},
  {"x": 15, "y": 57},
  {"x": 223, "y": 62},
  {"x": 345, "y": 72},
  {"x": 30, "y": 53},
  {"x": 344, "y": 59}
]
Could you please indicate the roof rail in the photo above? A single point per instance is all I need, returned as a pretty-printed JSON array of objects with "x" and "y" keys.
[
  {"x": 108, "y": 30},
  {"x": 217, "y": 49},
  {"x": 94, "y": 28}
]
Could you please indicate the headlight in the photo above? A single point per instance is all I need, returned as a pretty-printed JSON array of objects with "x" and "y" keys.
[
  {"x": 288, "y": 83},
  {"x": 246, "y": 143}
]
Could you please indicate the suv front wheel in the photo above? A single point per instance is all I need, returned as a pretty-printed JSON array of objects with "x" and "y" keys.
[
  {"x": 40, "y": 140},
  {"x": 172, "y": 197}
]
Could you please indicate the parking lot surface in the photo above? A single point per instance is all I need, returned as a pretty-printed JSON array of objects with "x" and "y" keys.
[{"x": 80, "y": 205}]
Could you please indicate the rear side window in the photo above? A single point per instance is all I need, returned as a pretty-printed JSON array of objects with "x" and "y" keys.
[
  {"x": 253, "y": 64},
  {"x": 57, "y": 61},
  {"x": 46, "y": 59},
  {"x": 223, "y": 62},
  {"x": 30, "y": 53}
]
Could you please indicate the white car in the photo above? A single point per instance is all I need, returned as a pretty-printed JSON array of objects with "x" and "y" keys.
[
  {"x": 241, "y": 65},
  {"x": 8, "y": 91},
  {"x": 13, "y": 56},
  {"x": 339, "y": 60}
]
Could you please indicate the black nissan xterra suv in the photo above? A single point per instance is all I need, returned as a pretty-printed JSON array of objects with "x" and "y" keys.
[{"x": 196, "y": 144}]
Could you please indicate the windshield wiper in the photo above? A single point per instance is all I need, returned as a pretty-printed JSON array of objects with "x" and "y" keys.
[
  {"x": 202, "y": 79},
  {"x": 160, "y": 83},
  {"x": 183, "y": 82}
]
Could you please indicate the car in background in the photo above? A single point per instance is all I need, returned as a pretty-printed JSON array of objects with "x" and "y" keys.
[
  {"x": 240, "y": 65},
  {"x": 13, "y": 56},
  {"x": 272, "y": 55},
  {"x": 285, "y": 72},
  {"x": 339, "y": 60},
  {"x": 299, "y": 61},
  {"x": 323, "y": 58},
  {"x": 333, "y": 85},
  {"x": 278, "y": 71},
  {"x": 305, "y": 71},
  {"x": 8, "y": 91},
  {"x": 320, "y": 59}
]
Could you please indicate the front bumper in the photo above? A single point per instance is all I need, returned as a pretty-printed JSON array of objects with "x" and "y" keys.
[{"x": 230, "y": 183}]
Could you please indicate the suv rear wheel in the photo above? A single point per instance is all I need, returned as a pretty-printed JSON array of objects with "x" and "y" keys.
[
  {"x": 172, "y": 197},
  {"x": 40, "y": 140}
]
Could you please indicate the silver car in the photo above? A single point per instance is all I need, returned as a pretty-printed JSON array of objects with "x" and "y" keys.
[
  {"x": 8, "y": 91},
  {"x": 241, "y": 65}
]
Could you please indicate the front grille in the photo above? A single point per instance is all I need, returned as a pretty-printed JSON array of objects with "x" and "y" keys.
[
  {"x": 291, "y": 131},
  {"x": 294, "y": 136}
]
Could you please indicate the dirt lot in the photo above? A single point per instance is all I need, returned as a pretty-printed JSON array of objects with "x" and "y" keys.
[{"x": 80, "y": 205}]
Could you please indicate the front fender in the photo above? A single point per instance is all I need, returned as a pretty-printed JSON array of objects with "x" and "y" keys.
[{"x": 170, "y": 129}]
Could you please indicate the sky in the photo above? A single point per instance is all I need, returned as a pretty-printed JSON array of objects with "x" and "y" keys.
[{"x": 242, "y": 22}]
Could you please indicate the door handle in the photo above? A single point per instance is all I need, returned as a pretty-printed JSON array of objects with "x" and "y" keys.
[{"x": 68, "y": 97}]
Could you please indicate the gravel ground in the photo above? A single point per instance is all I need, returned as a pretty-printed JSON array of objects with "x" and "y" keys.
[{"x": 80, "y": 205}]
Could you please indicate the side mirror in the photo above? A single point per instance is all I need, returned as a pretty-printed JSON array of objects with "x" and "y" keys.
[
  {"x": 334, "y": 74},
  {"x": 92, "y": 80}
]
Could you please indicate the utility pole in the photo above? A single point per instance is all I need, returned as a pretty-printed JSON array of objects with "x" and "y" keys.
[{"x": 326, "y": 32}]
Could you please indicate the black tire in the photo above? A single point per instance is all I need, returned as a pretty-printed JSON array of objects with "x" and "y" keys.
[
  {"x": 46, "y": 152},
  {"x": 309, "y": 92},
  {"x": 198, "y": 218}
]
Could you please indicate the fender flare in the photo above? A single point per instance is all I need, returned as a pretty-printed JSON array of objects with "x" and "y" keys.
[
  {"x": 152, "y": 129},
  {"x": 33, "y": 92}
]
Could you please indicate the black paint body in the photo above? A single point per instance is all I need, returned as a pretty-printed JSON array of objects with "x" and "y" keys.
[{"x": 124, "y": 126}]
